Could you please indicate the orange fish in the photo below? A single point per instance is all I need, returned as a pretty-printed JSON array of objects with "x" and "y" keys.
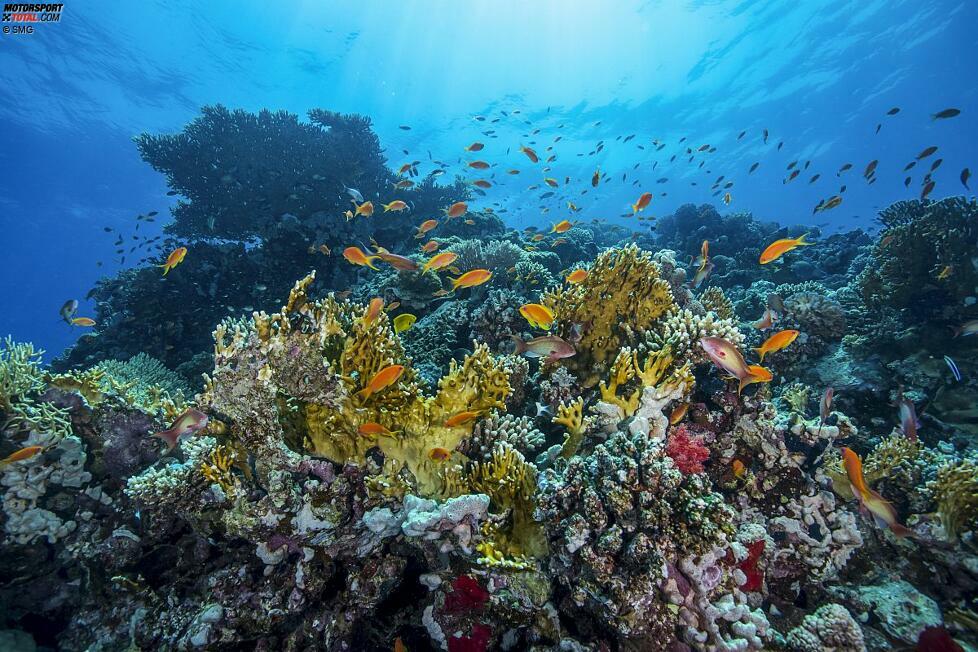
[
  {"x": 537, "y": 238},
  {"x": 595, "y": 178},
  {"x": 870, "y": 501},
  {"x": 474, "y": 147},
  {"x": 25, "y": 453},
  {"x": 461, "y": 418},
  {"x": 439, "y": 261},
  {"x": 755, "y": 374},
  {"x": 780, "y": 247},
  {"x": 189, "y": 422},
  {"x": 471, "y": 279},
  {"x": 550, "y": 182},
  {"x": 373, "y": 429},
  {"x": 82, "y": 321},
  {"x": 376, "y": 305},
  {"x": 403, "y": 184},
  {"x": 558, "y": 241},
  {"x": 397, "y": 261},
  {"x": 678, "y": 413},
  {"x": 478, "y": 165},
  {"x": 704, "y": 253},
  {"x": 530, "y": 154},
  {"x": 538, "y": 315},
  {"x": 577, "y": 276},
  {"x": 175, "y": 258},
  {"x": 512, "y": 171},
  {"x": 739, "y": 470},
  {"x": 405, "y": 168},
  {"x": 482, "y": 183},
  {"x": 561, "y": 227},
  {"x": 642, "y": 202},
  {"x": 366, "y": 209},
  {"x": 777, "y": 342},
  {"x": 382, "y": 380},
  {"x": 396, "y": 206},
  {"x": 399, "y": 645},
  {"x": 430, "y": 246},
  {"x": 355, "y": 256},
  {"x": 426, "y": 226},
  {"x": 766, "y": 320},
  {"x": 457, "y": 209},
  {"x": 439, "y": 454}
]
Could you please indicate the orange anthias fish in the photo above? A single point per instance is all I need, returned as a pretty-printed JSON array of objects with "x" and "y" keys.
[
  {"x": 739, "y": 470},
  {"x": 469, "y": 279},
  {"x": 82, "y": 321},
  {"x": 382, "y": 380},
  {"x": 780, "y": 247},
  {"x": 678, "y": 413},
  {"x": 439, "y": 261},
  {"x": 425, "y": 226},
  {"x": 355, "y": 256},
  {"x": 726, "y": 356},
  {"x": 372, "y": 429},
  {"x": 439, "y": 454},
  {"x": 175, "y": 258},
  {"x": 376, "y": 305},
  {"x": 397, "y": 261},
  {"x": 642, "y": 202},
  {"x": 777, "y": 342},
  {"x": 562, "y": 227},
  {"x": 461, "y": 418},
  {"x": 870, "y": 502},
  {"x": 189, "y": 422},
  {"x": 399, "y": 645},
  {"x": 530, "y": 154},
  {"x": 25, "y": 453},
  {"x": 577, "y": 276},
  {"x": 755, "y": 374},
  {"x": 457, "y": 209},
  {"x": 595, "y": 178},
  {"x": 766, "y": 320},
  {"x": 482, "y": 183},
  {"x": 430, "y": 246},
  {"x": 474, "y": 147},
  {"x": 366, "y": 208},
  {"x": 538, "y": 315},
  {"x": 396, "y": 206},
  {"x": 479, "y": 165}
]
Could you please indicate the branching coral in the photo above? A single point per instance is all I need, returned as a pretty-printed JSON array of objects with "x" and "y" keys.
[
  {"x": 682, "y": 329},
  {"x": 622, "y": 295},
  {"x": 20, "y": 372}
]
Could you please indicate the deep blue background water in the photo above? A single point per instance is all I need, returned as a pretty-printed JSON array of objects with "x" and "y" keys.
[{"x": 818, "y": 75}]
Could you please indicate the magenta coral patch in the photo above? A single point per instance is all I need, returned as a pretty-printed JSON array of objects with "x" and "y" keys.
[
  {"x": 477, "y": 641},
  {"x": 750, "y": 567},
  {"x": 688, "y": 453},
  {"x": 467, "y": 595}
]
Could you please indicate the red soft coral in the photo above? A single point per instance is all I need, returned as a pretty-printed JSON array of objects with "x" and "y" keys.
[
  {"x": 466, "y": 595},
  {"x": 688, "y": 453},
  {"x": 750, "y": 567},
  {"x": 476, "y": 641}
]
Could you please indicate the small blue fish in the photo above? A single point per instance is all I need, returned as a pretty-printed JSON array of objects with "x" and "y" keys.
[
  {"x": 354, "y": 193},
  {"x": 953, "y": 367}
]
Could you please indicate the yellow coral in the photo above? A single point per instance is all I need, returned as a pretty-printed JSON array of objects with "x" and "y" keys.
[
  {"x": 622, "y": 294},
  {"x": 510, "y": 482},
  {"x": 652, "y": 374},
  {"x": 571, "y": 416},
  {"x": 956, "y": 491},
  {"x": 217, "y": 469},
  {"x": 715, "y": 300},
  {"x": 318, "y": 355}
]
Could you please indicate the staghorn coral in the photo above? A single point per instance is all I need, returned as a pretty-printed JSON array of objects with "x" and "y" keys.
[
  {"x": 715, "y": 301},
  {"x": 621, "y": 296},
  {"x": 517, "y": 432}
]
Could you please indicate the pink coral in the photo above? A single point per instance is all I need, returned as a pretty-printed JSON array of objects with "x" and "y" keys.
[
  {"x": 477, "y": 641},
  {"x": 688, "y": 453}
]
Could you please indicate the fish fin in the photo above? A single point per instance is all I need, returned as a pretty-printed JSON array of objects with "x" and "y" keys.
[
  {"x": 520, "y": 345},
  {"x": 900, "y": 531},
  {"x": 170, "y": 436},
  {"x": 802, "y": 242},
  {"x": 760, "y": 353}
]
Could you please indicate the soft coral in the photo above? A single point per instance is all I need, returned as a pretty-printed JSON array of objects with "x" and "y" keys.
[{"x": 687, "y": 452}]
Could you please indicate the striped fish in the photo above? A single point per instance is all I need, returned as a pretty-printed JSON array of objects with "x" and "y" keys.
[{"x": 953, "y": 367}]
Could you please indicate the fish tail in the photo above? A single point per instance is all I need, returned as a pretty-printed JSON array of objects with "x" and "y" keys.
[
  {"x": 370, "y": 260},
  {"x": 166, "y": 269},
  {"x": 802, "y": 242},
  {"x": 761, "y": 352},
  {"x": 520, "y": 345},
  {"x": 634, "y": 208},
  {"x": 364, "y": 393}
]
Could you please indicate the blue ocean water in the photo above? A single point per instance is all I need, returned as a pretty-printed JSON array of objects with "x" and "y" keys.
[{"x": 818, "y": 76}]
